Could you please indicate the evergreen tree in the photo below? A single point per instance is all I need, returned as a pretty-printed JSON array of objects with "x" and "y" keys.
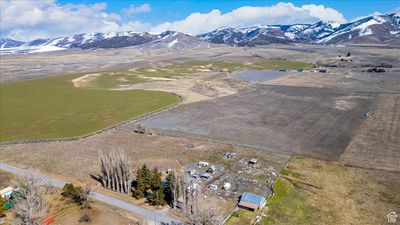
[
  {"x": 2, "y": 207},
  {"x": 156, "y": 194},
  {"x": 77, "y": 194},
  {"x": 143, "y": 182}
]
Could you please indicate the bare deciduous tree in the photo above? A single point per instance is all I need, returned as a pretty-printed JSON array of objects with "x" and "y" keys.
[
  {"x": 86, "y": 192},
  {"x": 31, "y": 206},
  {"x": 173, "y": 188},
  {"x": 116, "y": 171},
  {"x": 197, "y": 210}
]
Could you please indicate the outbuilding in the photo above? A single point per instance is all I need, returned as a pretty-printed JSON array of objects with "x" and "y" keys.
[
  {"x": 206, "y": 176},
  {"x": 213, "y": 187},
  {"x": 7, "y": 192},
  {"x": 202, "y": 164},
  {"x": 252, "y": 161},
  {"x": 226, "y": 186},
  {"x": 251, "y": 201},
  {"x": 211, "y": 169},
  {"x": 191, "y": 171}
]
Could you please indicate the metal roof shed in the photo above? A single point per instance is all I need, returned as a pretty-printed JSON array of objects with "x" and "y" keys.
[
  {"x": 251, "y": 201},
  {"x": 206, "y": 176}
]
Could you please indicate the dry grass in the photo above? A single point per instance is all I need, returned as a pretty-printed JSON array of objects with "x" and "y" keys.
[
  {"x": 6, "y": 179},
  {"x": 336, "y": 194},
  {"x": 79, "y": 159}
]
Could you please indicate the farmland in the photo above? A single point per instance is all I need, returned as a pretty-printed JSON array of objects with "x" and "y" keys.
[
  {"x": 123, "y": 78},
  {"x": 339, "y": 128},
  {"x": 53, "y": 108},
  {"x": 312, "y": 191},
  {"x": 75, "y": 105}
]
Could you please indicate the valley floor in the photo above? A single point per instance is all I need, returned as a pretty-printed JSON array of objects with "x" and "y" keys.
[{"x": 340, "y": 129}]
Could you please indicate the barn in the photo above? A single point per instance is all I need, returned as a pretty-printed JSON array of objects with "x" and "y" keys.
[{"x": 251, "y": 201}]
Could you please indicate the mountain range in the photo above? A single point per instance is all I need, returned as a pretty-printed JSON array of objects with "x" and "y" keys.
[{"x": 376, "y": 29}]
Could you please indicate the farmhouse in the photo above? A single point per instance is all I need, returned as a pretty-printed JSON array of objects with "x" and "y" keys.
[{"x": 251, "y": 201}]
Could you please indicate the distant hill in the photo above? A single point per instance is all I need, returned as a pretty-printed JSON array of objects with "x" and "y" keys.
[
  {"x": 376, "y": 29},
  {"x": 371, "y": 29}
]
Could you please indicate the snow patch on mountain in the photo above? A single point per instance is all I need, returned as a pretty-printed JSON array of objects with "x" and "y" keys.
[
  {"x": 47, "y": 48},
  {"x": 173, "y": 43}
]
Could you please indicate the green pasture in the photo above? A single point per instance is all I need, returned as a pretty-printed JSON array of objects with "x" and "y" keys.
[
  {"x": 287, "y": 206},
  {"x": 53, "y": 108}
]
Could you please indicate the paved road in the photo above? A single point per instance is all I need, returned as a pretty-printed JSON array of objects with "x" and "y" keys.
[{"x": 153, "y": 217}]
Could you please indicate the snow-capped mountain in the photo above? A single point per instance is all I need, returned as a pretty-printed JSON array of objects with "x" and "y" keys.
[
  {"x": 371, "y": 29},
  {"x": 174, "y": 40},
  {"x": 10, "y": 43},
  {"x": 168, "y": 39}
]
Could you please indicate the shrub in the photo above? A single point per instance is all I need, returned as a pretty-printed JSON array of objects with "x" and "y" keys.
[
  {"x": 85, "y": 218},
  {"x": 77, "y": 194}
]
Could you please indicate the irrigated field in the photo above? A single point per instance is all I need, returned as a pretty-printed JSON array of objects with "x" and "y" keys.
[{"x": 54, "y": 108}]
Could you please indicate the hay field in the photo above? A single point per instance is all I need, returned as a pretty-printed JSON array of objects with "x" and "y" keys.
[{"x": 54, "y": 108}]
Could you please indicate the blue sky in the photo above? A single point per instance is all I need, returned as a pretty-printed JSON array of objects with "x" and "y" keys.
[
  {"x": 170, "y": 10},
  {"x": 31, "y": 19}
]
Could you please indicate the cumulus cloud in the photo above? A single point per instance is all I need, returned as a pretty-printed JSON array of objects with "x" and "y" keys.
[
  {"x": 281, "y": 13},
  {"x": 132, "y": 9},
  {"x": 28, "y": 20}
]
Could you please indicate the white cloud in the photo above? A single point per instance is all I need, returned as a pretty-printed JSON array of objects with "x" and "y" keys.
[
  {"x": 281, "y": 13},
  {"x": 28, "y": 20},
  {"x": 135, "y": 26},
  {"x": 131, "y": 10}
]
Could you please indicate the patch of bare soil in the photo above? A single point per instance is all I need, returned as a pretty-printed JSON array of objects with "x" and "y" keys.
[
  {"x": 377, "y": 142},
  {"x": 98, "y": 216},
  {"x": 193, "y": 88},
  {"x": 84, "y": 80},
  {"x": 313, "y": 122},
  {"x": 345, "y": 195}
]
